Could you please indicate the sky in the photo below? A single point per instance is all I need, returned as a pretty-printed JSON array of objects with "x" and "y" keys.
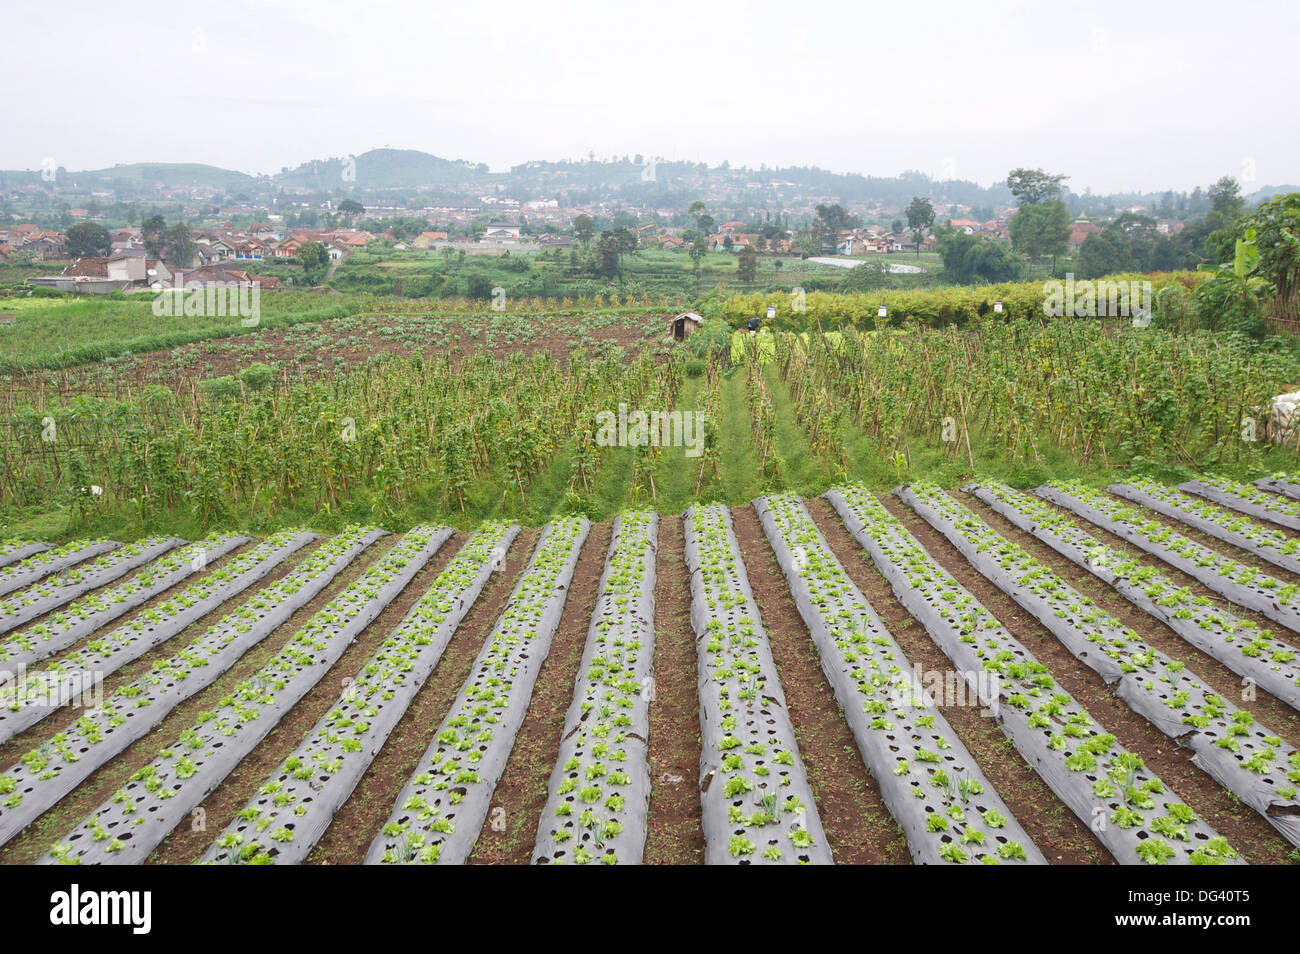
[{"x": 1137, "y": 96}]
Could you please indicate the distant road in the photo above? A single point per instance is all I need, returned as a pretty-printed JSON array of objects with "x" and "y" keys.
[{"x": 897, "y": 268}]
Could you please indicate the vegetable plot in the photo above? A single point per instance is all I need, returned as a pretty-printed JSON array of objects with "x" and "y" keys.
[
  {"x": 1244, "y": 585},
  {"x": 1129, "y": 809},
  {"x": 1246, "y": 498},
  {"x": 25, "y": 605},
  {"x": 1245, "y": 757},
  {"x": 43, "y": 561},
  {"x": 23, "y": 704},
  {"x": 63, "y": 628},
  {"x": 757, "y": 805},
  {"x": 1239, "y": 644},
  {"x": 127, "y": 827},
  {"x": 1262, "y": 541},
  {"x": 295, "y": 805},
  {"x": 1285, "y": 484},
  {"x": 591, "y": 813},
  {"x": 12, "y": 551},
  {"x": 934, "y": 788},
  {"x": 48, "y": 773},
  {"x": 441, "y": 811}
]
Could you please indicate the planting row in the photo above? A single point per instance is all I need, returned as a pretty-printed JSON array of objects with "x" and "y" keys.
[
  {"x": 1242, "y": 584},
  {"x": 1265, "y": 542},
  {"x": 1130, "y": 810},
  {"x": 1248, "y": 499},
  {"x": 441, "y": 810},
  {"x": 1286, "y": 484},
  {"x": 24, "y": 564},
  {"x": 1253, "y": 653},
  {"x": 63, "y": 628},
  {"x": 1244, "y": 756},
  {"x": 127, "y": 827},
  {"x": 756, "y": 802},
  {"x": 935, "y": 790},
  {"x": 37, "y": 695},
  {"x": 295, "y": 805},
  {"x": 12, "y": 550},
  {"x": 599, "y": 791},
  {"x": 40, "y": 598},
  {"x": 49, "y": 772}
]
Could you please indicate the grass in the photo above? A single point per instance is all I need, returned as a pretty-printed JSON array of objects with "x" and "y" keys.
[{"x": 53, "y": 333}]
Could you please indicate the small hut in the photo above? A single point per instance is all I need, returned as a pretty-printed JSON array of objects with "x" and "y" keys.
[{"x": 686, "y": 324}]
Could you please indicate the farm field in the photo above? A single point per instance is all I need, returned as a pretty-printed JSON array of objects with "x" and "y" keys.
[
  {"x": 976, "y": 675},
  {"x": 392, "y": 587}
]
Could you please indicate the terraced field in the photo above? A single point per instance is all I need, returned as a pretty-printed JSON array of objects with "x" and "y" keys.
[{"x": 975, "y": 676}]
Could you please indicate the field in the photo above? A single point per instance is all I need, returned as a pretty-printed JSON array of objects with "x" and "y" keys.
[{"x": 385, "y": 583}]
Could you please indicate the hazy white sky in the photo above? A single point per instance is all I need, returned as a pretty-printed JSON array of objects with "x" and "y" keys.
[{"x": 1120, "y": 96}]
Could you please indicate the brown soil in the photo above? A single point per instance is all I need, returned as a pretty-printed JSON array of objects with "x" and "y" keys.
[
  {"x": 1059, "y": 835},
  {"x": 359, "y": 819},
  {"x": 853, "y": 813},
  {"x": 1253, "y": 837},
  {"x": 348, "y": 347},
  {"x": 521, "y": 792},
  {"x": 1217, "y": 545},
  {"x": 184, "y": 844},
  {"x": 11, "y": 750},
  {"x": 675, "y": 835},
  {"x": 87, "y": 797},
  {"x": 1277, "y": 715}
]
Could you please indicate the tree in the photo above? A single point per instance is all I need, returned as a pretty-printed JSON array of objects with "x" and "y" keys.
[
  {"x": 1032, "y": 186},
  {"x": 831, "y": 220},
  {"x": 747, "y": 266},
  {"x": 896, "y": 226},
  {"x": 1104, "y": 253},
  {"x": 699, "y": 248},
  {"x": 314, "y": 260},
  {"x": 179, "y": 244},
  {"x": 1041, "y": 230},
  {"x": 920, "y": 216},
  {"x": 351, "y": 207},
  {"x": 609, "y": 254},
  {"x": 88, "y": 240},
  {"x": 152, "y": 230},
  {"x": 1277, "y": 224},
  {"x": 971, "y": 258},
  {"x": 920, "y": 213},
  {"x": 583, "y": 228}
]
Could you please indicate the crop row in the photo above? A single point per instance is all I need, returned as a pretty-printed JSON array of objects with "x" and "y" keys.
[
  {"x": 948, "y": 810},
  {"x": 755, "y": 798},
  {"x": 294, "y": 806},
  {"x": 47, "y": 773},
  {"x": 1244, "y": 756},
  {"x": 1247, "y": 498},
  {"x": 25, "y": 702},
  {"x": 588, "y": 817},
  {"x": 14, "y": 550},
  {"x": 126, "y": 827},
  {"x": 1265, "y": 542},
  {"x": 1242, "y": 584},
  {"x": 25, "y": 564},
  {"x": 441, "y": 810},
  {"x": 1129, "y": 808},
  {"x": 1255, "y": 654},
  {"x": 1286, "y": 484},
  {"x": 63, "y": 628},
  {"x": 40, "y": 598}
]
